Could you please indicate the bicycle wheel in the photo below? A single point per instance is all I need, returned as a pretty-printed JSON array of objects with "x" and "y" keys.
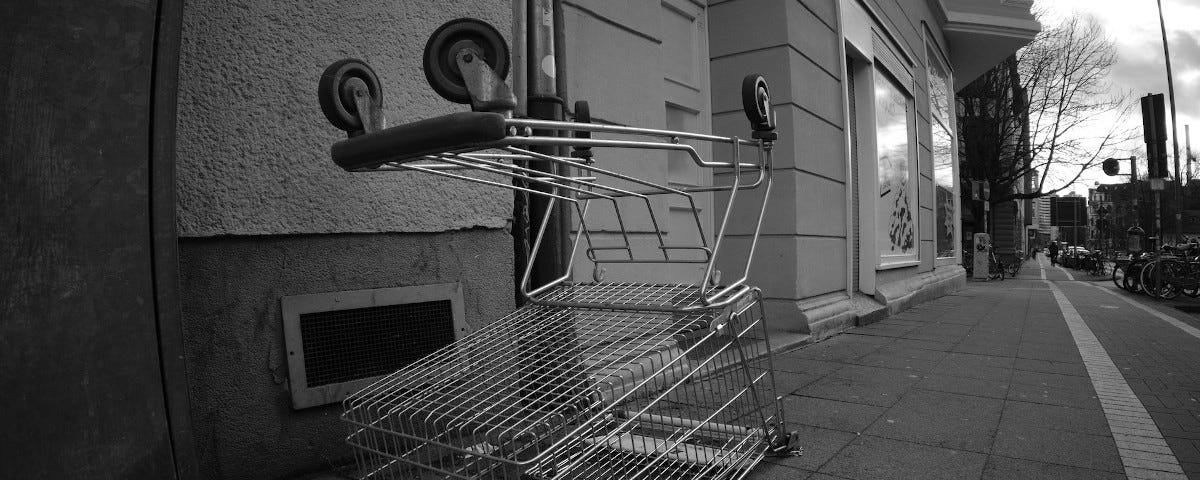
[
  {"x": 1118, "y": 275},
  {"x": 1171, "y": 271},
  {"x": 1012, "y": 269},
  {"x": 1154, "y": 280},
  {"x": 1133, "y": 276},
  {"x": 1146, "y": 279}
]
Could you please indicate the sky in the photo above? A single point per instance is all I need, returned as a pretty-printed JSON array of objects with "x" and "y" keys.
[{"x": 1133, "y": 25}]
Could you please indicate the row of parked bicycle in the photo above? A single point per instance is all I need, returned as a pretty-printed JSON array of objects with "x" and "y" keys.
[
  {"x": 1172, "y": 270},
  {"x": 999, "y": 265}
]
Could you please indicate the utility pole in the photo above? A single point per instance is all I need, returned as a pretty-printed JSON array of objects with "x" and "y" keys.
[
  {"x": 1187, "y": 149},
  {"x": 1174, "y": 130}
]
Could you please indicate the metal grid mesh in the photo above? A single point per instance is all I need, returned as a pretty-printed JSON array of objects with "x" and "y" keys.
[
  {"x": 569, "y": 393},
  {"x": 345, "y": 345}
]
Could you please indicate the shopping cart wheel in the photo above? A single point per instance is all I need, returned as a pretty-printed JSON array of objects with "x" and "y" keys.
[
  {"x": 441, "y": 52},
  {"x": 756, "y": 101},
  {"x": 583, "y": 114},
  {"x": 335, "y": 92}
]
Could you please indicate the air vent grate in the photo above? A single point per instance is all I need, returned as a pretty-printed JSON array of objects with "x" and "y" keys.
[
  {"x": 340, "y": 342},
  {"x": 346, "y": 345}
]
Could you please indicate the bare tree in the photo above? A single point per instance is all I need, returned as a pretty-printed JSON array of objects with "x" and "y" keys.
[{"x": 1048, "y": 108}]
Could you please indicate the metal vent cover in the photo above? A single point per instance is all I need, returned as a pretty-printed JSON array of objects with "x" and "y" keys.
[{"x": 340, "y": 342}]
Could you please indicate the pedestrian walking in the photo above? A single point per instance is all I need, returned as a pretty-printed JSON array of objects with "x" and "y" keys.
[{"x": 1053, "y": 251}]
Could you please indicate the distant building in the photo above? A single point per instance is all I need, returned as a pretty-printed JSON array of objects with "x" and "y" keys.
[{"x": 1069, "y": 214}]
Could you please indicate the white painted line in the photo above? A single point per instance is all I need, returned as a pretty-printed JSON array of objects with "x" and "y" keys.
[
  {"x": 1041, "y": 268},
  {"x": 1119, "y": 403},
  {"x": 1188, "y": 329},
  {"x": 1069, "y": 276}
]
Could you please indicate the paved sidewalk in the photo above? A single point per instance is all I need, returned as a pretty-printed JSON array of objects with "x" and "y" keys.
[{"x": 989, "y": 383}]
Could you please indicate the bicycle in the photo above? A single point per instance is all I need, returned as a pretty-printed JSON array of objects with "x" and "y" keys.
[
  {"x": 1011, "y": 268},
  {"x": 1175, "y": 271},
  {"x": 1132, "y": 281},
  {"x": 1118, "y": 271},
  {"x": 996, "y": 268},
  {"x": 1097, "y": 263}
]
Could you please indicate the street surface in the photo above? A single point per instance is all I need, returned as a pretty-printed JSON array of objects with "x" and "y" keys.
[{"x": 1051, "y": 375}]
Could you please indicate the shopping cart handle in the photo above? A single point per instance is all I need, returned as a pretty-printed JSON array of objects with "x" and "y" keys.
[{"x": 410, "y": 141}]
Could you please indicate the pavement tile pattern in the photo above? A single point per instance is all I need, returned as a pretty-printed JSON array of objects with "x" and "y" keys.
[{"x": 989, "y": 383}]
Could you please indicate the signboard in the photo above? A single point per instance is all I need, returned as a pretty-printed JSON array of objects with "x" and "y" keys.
[{"x": 1068, "y": 211}]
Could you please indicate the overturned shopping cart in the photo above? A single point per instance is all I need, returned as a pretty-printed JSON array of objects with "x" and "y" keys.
[{"x": 599, "y": 379}]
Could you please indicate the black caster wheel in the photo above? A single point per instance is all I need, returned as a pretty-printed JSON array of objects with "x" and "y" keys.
[
  {"x": 441, "y": 51},
  {"x": 756, "y": 101},
  {"x": 337, "y": 97},
  {"x": 583, "y": 114}
]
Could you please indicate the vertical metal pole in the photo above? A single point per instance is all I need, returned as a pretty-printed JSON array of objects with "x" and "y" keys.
[
  {"x": 1158, "y": 229},
  {"x": 1158, "y": 216},
  {"x": 1174, "y": 130},
  {"x": 520, "y": 227},
  {"x": 1133, "y": 192},
  {"x": 1187, "y": 149},
  {"x": 545, "y": 105}
]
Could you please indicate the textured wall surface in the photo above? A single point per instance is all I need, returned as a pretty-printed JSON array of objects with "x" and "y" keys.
[
  {"x": 253, "y": 145},
  {"x": 245, "y": 427}
]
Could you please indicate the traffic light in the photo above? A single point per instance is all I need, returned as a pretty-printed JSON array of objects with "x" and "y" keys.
[{"x": 1154, "y": 129}]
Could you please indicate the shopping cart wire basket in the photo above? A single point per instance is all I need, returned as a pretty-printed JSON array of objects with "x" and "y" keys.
[{"x": 616, "y": 379}]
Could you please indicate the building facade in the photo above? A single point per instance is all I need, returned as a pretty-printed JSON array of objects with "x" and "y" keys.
[
  {"x": 863, "y": 219},
  {"x": 197, "y": 207},
  {"x": 201, "y": 214}
]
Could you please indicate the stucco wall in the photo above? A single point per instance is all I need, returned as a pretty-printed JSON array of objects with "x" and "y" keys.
[
  {"x": 244, "y": 426},
  {"x": 253, "y": 146},
  {"x": 264, "y": 213}
]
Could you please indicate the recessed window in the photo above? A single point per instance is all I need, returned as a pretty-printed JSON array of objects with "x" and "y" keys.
[
  {"x": 942, "y": 147},
  {"x": 896, "y": 231}
]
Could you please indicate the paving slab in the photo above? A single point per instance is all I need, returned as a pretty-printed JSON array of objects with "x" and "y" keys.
[
  {"x": 1046, "y": 366},
  {"x": 1096, "y": 452},
  {"x": 1069, "y": 397},
  {"x": 859, "y": 384},
  {"x": 831, "y": 414},
  {"x": 1002, "y": 468},
  {"x": 876, "y": 458},
  {"x": 963, "y": 385},
  {"x": 1056, "y": 417},
  {"x": 939, "y": 419}
]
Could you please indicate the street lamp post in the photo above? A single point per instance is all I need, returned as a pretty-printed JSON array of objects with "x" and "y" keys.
[{"x": 1174, "y": 130}]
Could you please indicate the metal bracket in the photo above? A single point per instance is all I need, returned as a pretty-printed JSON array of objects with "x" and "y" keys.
[
  {"x": 489, "y": 92},
  {"x": 782, "y": 444},
  {"x": 364, "y": 102}
]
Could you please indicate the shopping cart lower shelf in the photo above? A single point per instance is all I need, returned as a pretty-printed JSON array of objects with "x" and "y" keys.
[{"x": 569, "y": 393}]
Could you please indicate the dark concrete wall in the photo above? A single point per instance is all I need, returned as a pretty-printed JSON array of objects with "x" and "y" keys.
[
  {"x": 83, "y": 390},
  {"x": 245, "y": 427}
]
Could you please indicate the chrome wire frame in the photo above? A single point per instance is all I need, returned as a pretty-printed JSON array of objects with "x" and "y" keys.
[
  {"x": 602, "y": 380},
  {"x": 509, "y": 158},
  {"x": 578, "y": 393}
]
